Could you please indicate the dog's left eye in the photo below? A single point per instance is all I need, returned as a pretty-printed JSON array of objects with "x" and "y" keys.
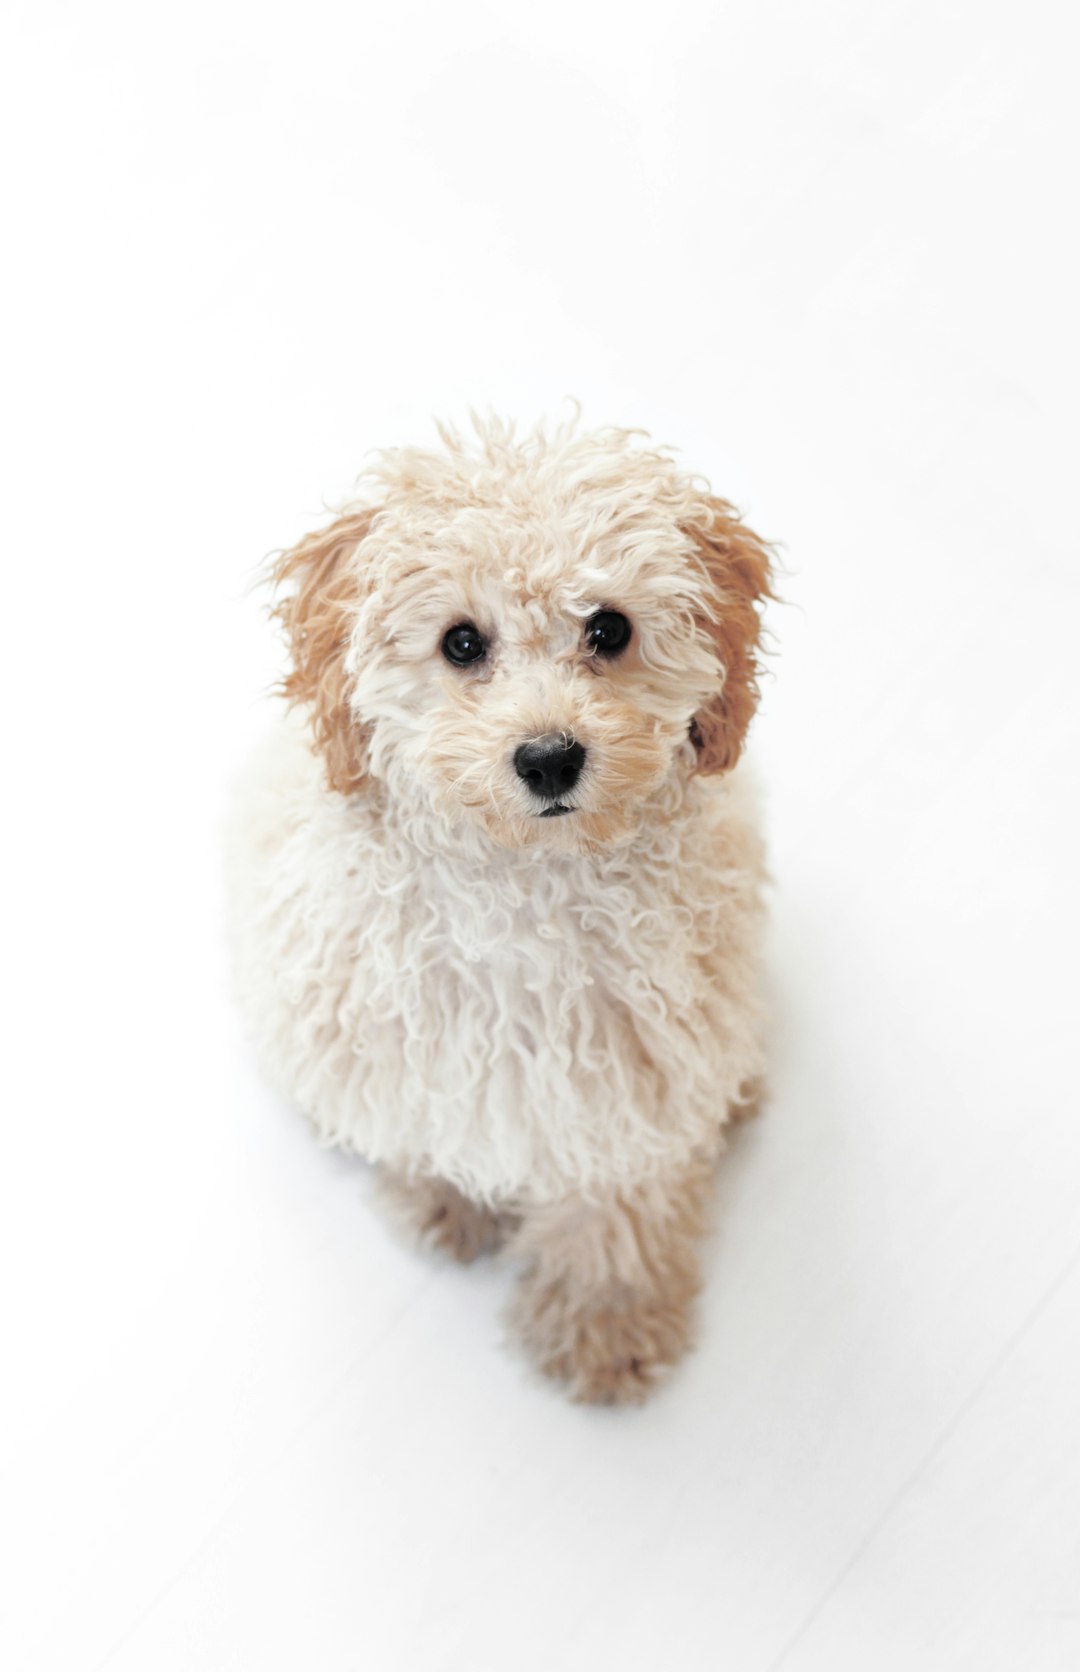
[
  {"x": 464, "y": 644},
  {"x": 608, "y": 633}
]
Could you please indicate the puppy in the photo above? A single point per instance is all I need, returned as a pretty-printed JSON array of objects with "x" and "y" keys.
[{"x": 496, "y": 883}]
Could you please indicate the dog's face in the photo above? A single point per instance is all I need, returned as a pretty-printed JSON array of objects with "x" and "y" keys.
[{"x": 534, "y": 635}]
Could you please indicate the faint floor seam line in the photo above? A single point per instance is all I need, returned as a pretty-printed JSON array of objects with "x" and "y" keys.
[{"x": 946, "y": 1434}]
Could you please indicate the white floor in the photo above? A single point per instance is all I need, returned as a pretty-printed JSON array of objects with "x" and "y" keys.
[{"x": 830, "y": 251}]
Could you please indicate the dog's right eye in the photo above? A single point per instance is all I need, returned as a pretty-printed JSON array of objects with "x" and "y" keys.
[{"x": 464, "y": 644}]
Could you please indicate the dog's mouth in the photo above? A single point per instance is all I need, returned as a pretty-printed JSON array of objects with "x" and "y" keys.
[{"x": 555, "y": 811}]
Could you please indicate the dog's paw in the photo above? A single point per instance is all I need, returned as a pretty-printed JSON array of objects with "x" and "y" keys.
[
  {"x": 609, "y": 1349},
  {"x": 439, "y": 1217},
  {"x": 751, "y": 1100},
  {"x": 461, "y": 1228}
]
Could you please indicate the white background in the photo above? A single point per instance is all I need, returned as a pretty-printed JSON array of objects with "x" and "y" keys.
[{"x": 827, "y": 250}]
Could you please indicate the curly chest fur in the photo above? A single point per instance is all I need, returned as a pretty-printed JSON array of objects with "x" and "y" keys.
[{"x": 520, "y": 1023}]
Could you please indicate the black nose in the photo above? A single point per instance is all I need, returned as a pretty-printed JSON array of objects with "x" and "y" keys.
[{"x": 550, "y": 765}]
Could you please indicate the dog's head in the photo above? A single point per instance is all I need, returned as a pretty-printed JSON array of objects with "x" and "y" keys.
[{"x": 534, "y": 634}]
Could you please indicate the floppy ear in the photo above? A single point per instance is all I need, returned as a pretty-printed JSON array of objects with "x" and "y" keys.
[
  {"x": 318, "y": 615},
  {"x": 738, "y": 566}
]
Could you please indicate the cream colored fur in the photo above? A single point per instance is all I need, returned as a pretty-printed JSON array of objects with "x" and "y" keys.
[{"x": 537, "y": 1012}]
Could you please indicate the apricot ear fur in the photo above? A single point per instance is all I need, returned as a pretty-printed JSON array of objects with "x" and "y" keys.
[
  {"x": 318, "y": 613},
  {"x": 739, "y": 568}
]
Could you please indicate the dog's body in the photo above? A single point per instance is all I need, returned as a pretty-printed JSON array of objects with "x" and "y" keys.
[
  {"x": 500, "y": 934},
  {"x": 522, "y": 1029}
]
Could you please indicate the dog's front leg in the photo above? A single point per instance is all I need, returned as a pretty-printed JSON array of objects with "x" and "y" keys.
[{"x": 606, "y": 1302}]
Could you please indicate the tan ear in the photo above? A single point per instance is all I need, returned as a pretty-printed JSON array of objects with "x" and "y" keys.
[
  {"x": 318, "y": 615},
  {"x": 739, "y": 567}
]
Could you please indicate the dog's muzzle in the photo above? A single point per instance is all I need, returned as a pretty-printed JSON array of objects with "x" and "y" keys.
[{"x": 550, "y": 767}]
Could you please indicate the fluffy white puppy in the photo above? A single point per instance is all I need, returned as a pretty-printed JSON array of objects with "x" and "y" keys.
[{"x": 496, "y": 885}]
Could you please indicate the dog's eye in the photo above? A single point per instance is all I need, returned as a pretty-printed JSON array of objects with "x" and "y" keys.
[
  {"x": 464, "y": 644},
  {"x": 608, "y": 633}
]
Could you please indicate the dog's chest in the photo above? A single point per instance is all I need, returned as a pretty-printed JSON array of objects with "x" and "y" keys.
[
  {"x": 522, "y": 1025},
  {"x": 525, "y": 959}
]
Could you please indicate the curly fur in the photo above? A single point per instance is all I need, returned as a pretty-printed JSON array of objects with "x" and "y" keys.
[{"x": 544, "y": 1022}]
